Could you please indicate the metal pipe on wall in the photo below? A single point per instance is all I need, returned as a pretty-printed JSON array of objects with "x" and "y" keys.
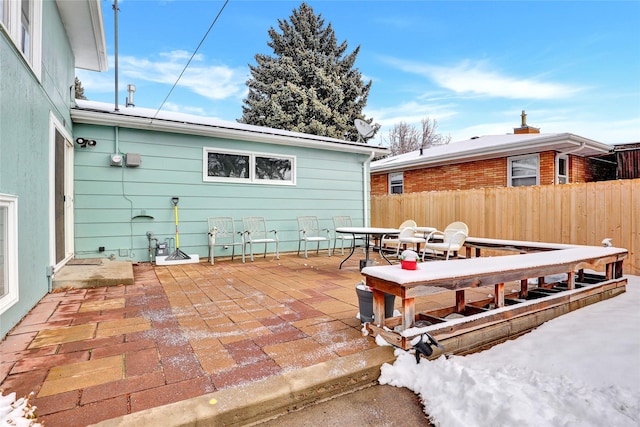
[{"x": 115, "y": 44}]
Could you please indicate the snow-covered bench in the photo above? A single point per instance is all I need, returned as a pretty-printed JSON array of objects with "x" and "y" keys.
[{"x": 459, "y": 274}]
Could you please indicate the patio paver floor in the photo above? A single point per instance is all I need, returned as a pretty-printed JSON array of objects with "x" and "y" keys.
[
  {"x": 182, "y": 331},
  {"x": 178, "y": 332}
]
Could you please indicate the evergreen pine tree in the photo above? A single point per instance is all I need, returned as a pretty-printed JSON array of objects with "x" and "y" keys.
[
  {"x": 79, "y": 90},
  {"x": 310, "y": 85}
]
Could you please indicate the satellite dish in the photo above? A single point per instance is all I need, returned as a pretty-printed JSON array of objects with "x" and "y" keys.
[{"x": 365, "y": 130}]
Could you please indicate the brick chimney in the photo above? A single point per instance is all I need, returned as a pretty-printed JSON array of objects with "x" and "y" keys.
[{"x": 524, "y": 127}]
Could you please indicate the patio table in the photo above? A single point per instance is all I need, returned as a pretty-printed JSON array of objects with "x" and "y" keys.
[{"x": 367, "y": 233}]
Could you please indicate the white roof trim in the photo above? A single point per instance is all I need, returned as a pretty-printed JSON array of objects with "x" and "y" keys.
[
  {"x": 82, "y": 20},
  {"x": 99, "y": 113},
  {"x": 491, "y": 147}
]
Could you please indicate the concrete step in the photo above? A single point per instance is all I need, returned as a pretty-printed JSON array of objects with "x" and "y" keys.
[
  {"x": 266, "y": 399},
  {"x": 93, "y": 273}
]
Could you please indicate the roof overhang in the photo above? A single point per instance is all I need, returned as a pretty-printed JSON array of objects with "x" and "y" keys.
[
  {"x": 82, "y": 20},
  {"x": 94, "y": 113},
  {"x": 474, "y": 150}
]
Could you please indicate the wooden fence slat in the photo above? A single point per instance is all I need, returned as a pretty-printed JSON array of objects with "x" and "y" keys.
[{"x": 582, "y": 213}]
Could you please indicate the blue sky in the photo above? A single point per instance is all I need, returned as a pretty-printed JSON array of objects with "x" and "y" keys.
[{"x": 574, "y": 66}]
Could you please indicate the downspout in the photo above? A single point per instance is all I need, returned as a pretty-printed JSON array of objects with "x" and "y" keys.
[
  {"x": 556, "y": 161},
  {"x": 116, "y": 139},
  {"x": 366, "y": 175},
  {"x": 115, "y": 35}
]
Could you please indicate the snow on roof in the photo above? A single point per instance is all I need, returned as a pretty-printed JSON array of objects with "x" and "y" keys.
[
  {"x": 491, "y": 146},
  {"x": 93, "y": 112}
]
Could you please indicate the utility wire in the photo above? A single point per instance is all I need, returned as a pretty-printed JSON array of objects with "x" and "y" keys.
[{"x": 190, "y": 59}]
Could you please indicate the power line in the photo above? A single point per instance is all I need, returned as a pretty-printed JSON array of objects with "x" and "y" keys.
[{"x": 190, "y": 59}]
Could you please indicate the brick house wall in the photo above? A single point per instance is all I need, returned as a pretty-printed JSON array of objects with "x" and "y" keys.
[
  {"x": 548, "y": 166},
  {"x": 599, "y": 170},
  {"x": 478, "y": 174},
  {"x": 578, "y": 171},
  {"x": 379, "y": 184}
]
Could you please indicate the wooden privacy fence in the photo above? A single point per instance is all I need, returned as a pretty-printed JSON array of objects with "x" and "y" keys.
[{"x": 582, "y": 214}]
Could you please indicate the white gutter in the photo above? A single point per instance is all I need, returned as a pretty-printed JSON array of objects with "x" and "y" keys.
[
  {"x": 564, "y": 153},
  {"x": 498, "y": 150},
  {"x": 366, "y": 177},
  {"x": 258, "y": 135}
]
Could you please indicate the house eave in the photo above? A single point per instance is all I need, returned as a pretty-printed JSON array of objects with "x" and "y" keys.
[
  {"x": 84, "y": 25},
  {"x": 556, "y": 142},
  {"x": 256, "y": 134}
]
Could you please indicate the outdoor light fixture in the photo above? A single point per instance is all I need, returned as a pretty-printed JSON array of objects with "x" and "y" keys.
[
  {"x": 422, "y": 345},
  {"x": 83, "y": 142}
]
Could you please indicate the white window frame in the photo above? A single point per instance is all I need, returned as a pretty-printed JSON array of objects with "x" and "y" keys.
[
  {"x": 510, "y": 163},
  {"x": 562, "y": 179},
  {"x": 9, "y": 242},
  {"x": 12, "y": 23},
  {"x": 252, "y": 179},
  {"x": 391, "y": 184}
]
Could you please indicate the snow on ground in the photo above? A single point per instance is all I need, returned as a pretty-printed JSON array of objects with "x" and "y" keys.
[
  {"x": 16, "y": 412},
  {"x": 580, "y": 369}
]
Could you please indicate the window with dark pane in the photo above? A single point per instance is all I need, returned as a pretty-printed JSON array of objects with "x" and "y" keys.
[{"x": 228, "y": 165}]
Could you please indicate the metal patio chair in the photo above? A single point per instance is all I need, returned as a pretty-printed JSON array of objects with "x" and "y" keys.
[
  {"x": 448, "y": 242},
  {"x": 222, "y": 233},
  {"x": 393, "y": 240},
  {"x": 309, "y": 229},
  {"x": 343, "y": 221},
  {"x": 255, "y": 232},
  {"x": 408, "y": 237}
]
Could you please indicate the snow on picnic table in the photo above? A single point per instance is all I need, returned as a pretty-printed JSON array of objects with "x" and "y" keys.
[
  {"x": 580, "y": 369},
  {"x": 456, "y": 268}
]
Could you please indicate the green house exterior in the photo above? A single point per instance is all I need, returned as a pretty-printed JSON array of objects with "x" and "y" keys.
[
  {"x": 86, "y": 180},
  {"x": 142, "y": 158},
  {"x": 38, "y": 57}
]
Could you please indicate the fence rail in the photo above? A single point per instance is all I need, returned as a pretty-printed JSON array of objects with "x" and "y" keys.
[{"x": 582, "y": 214}]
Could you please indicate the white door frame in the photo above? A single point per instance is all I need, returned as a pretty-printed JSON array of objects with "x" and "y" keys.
[{"x": 55, "y": 125}]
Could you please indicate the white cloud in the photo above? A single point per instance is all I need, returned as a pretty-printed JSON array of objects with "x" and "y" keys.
[
  {"x": 93, "y": 82},
  {"x": 409, "y": 112},
  {"x": 179, "y": 55},
  {"x": 477, "y": 78},
  {"x": 609, "y": 132},
  {"x": 215, "y": 82}
]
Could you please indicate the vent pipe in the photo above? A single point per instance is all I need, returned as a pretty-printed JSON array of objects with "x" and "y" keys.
[
  {"x": 115, "y": 43},
  {"x": 131, "y": 89}
]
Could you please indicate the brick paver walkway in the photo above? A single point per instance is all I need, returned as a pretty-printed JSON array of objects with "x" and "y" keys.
[
  {"x": 179, "y": 332},
  {"x": 182, "y": 331}
]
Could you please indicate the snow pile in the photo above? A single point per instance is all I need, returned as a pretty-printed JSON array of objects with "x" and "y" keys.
[
  {"x": 580, "y": 369},
  {"x": 18, "y": 413}
]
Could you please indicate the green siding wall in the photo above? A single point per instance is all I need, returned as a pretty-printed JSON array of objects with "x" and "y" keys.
[
  {"x": 106, "y": 197},
  {"x": 25, "y": 108}
]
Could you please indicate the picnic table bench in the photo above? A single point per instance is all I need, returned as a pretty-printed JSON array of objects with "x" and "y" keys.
[{"x": 460, "y": 274}]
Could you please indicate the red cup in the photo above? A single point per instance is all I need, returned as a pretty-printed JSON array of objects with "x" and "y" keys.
[{"x": 409, "y": 265}]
